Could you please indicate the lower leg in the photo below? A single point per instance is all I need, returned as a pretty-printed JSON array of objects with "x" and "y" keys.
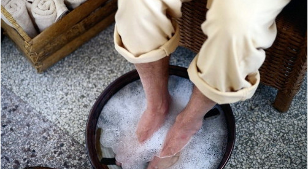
[
  {"x": 154, "y": 77},
  {"x": 187, "y": 123}
]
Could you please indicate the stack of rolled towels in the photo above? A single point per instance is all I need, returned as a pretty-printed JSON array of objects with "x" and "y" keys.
[{"x": 34, "y": 16}]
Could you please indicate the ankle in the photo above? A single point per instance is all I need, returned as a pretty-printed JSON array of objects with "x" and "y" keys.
[
  {"x": 160, "y": 105},
  {"x": 190, "y": 123},
  {"x": 197, "y": 106}
]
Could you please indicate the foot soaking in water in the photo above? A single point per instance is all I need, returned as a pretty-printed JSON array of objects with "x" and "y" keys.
[
  {"x": 224, "y": 71},
  {"x": 119, "y": 122}
]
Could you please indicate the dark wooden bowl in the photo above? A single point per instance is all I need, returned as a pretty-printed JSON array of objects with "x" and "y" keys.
[{"x": 117, "y": 85}]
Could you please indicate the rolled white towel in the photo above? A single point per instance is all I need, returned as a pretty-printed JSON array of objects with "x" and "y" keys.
[
  {"x": 72, "y": 4},
  {"x": 29, "y": 6},
  {"x": 47, "y": 12},
  {"x": 18, "y": 10}
]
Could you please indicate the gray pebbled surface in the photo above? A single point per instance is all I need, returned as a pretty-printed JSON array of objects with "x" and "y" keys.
[
  {"x": 29, "y": 139},
  {"x": 56, "y": 104},
  {"x": 267, "y": 138}
]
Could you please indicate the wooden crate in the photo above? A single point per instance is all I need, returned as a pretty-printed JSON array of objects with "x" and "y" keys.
[{"x": 64, "y": 36}]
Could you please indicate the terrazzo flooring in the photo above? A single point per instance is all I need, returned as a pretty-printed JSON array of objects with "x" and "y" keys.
[{"x": 43, "y": 116}]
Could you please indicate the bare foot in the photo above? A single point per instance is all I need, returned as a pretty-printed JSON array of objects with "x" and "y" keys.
[
  {"x": 179, "y": 135},
  {"x": 154, "y": 77},
  {"x": 187, "y": 123},
  {"x": 177, "y": 138},
  {"x": 162, "y": 163},
  {"x": 152, "y": 119}
]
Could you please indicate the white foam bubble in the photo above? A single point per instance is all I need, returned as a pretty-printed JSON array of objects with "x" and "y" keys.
[{"x": 120, "y": 116}]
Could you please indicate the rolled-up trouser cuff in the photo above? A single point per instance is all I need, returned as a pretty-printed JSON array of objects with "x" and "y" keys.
[
  {"x": 151, "y": 56},
  {"x": 218, "y": 96}
]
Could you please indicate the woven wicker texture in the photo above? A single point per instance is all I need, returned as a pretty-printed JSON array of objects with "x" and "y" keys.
[{"x": 286, "y": 61}]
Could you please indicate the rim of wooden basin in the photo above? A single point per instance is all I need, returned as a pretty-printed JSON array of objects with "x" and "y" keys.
[{"x": 117, "y": 85}]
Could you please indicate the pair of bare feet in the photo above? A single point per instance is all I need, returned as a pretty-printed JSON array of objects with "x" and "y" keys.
[{"x": 154, "y": 77}]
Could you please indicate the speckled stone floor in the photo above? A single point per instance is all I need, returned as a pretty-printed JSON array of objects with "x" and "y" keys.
[{"x": 43, "y": 116}]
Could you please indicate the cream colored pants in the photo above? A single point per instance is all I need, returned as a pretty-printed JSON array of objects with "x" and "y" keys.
[{"x": 226, "y": 67}]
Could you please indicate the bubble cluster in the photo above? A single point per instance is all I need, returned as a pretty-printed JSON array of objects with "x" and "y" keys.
[{"x": 120, "y": 116}]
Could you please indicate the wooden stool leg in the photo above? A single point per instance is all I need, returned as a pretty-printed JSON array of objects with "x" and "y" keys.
[{"x": 283, "y": 101}]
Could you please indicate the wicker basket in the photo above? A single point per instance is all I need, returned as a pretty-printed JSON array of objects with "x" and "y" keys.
[
  {"x": 64, "y": 36},
  {"x": 286, "y": 61}
]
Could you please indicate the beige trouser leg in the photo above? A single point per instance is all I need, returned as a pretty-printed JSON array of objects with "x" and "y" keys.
[{"x": 226, "y": 68}]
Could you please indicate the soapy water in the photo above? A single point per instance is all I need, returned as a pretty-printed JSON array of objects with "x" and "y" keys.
[{"x": 120, "y": 116}]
